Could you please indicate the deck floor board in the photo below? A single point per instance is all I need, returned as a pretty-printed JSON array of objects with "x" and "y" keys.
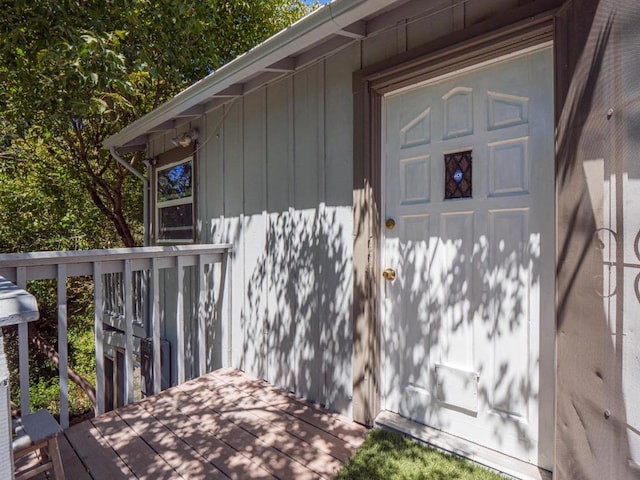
[
  {"x": 269, "y": 434},
  {"x": 143, "y": 461},
  {"x": 73, "y": 467},
  {"x": 203, "y": 431},
  {"x": 222, "y": 425},
  {"x": 187, "y": 462},
  {"x": 251, "y": 445},
  {"x": 274, "y": 414},
  {"x": 101, "y": 462},
  {"x": 333, "y": 423}
]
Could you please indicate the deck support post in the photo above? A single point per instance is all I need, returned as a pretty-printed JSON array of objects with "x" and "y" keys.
[
  {"x": 155, "y": 324},
  {"x": 202, "y": 311},
  {"x": 180, "y": 336},
  {"x": 23, "y": 349},
  {"x": 98, "y": 308},
  {"x": 62, "y": 346},
  {"x": 128, "y": 332}
]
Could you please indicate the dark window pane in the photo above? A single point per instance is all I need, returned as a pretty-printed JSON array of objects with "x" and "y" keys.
[
  {"x": 457, "y": 175},
  {"x": 174, "y": 182},
  {"x": 176, "y": 223}
]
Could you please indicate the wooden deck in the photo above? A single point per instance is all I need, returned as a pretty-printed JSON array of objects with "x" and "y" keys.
[{"x": 222, "y": 425}]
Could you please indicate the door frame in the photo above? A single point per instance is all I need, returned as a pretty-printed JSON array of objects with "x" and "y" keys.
[
  {"x": 480, "y": 43},
  {"x": 546, "y": 321}
]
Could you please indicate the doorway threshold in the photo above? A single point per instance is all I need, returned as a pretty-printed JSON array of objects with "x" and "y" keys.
[{"x": 491, "y": 459}]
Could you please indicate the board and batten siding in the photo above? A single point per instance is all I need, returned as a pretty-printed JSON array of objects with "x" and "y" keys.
[{"x": 275, "y": 179}]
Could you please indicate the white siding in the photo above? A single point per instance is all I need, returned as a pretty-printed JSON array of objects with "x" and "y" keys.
[
  {"x": 336, "y": 233},
  {"x": 308, "y": 166},
  {"x": 286, "y": 206},
  {"x": 255, "y": 230},
  {"x": 275, "y": 179}
]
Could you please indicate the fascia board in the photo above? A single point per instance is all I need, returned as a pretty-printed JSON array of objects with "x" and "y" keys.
[{"x": 322, "y": 23}]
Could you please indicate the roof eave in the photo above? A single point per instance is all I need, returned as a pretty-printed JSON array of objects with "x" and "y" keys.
[{"x": 317, "y": 26}]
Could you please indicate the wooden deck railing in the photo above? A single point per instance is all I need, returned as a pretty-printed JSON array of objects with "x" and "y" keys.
[{"x": 126, "y": 288}]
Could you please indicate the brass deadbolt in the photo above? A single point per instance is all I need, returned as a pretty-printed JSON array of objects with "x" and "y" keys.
[
  {"x": 389, "y": 274},
  {"x": 390, "y": 223}
]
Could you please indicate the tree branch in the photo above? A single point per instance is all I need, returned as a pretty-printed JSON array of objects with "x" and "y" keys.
[{"x": 42, "y": 345}]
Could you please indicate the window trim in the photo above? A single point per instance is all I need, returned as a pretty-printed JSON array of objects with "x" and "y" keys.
[{"x": 157, "y": 204}]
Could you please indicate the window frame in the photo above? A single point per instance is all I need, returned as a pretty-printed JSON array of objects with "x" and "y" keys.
[{"x": 158, "y": 205}]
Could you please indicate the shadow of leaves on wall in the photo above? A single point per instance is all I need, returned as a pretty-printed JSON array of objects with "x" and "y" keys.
[
  {"x": 465, "y": 305},
  {"x": 295, "y": 318}
]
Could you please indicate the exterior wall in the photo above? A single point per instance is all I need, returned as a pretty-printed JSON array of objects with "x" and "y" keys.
[
  {"x": 275, "y": 179},
  {"x": 598, "y": 344},
  {"x": 278, "y": 186}
]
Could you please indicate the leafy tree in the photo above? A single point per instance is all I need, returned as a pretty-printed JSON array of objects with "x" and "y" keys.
[
  {"x": 75, "y": 72},
  {"x": 72, "y": 73}
]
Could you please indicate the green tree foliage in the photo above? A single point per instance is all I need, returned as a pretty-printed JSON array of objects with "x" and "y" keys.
[
  {"x": 72, "y": 73},
  {"x": 43, "y": 206},
  {"x": 75, "y": 72}
]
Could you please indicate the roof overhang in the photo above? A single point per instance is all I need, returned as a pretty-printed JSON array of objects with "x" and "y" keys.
[{"x": 325, "y": 30}]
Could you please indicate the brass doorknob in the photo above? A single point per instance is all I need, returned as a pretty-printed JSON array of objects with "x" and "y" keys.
[{"x": 389, "y": 274}]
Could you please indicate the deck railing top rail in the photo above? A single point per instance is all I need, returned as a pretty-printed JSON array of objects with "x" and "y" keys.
[{"x": 75, "y": 256}]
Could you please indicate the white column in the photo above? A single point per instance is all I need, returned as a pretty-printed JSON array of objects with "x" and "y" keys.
[
  {"x": 98, "y": 306},
  {"x": 155, "y": 324},
  {"x": 202, "y": 312},
  {"x": 180, "y": 336},
  {"x": 62, "y": 346},
  {"x": 23, "y": 349},
  {"x": 128, "y": 332}
]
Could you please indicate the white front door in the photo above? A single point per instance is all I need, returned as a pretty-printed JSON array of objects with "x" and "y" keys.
[{"x": 469, "y": 212}]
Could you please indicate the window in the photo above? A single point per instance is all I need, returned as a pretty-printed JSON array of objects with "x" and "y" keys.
[{"x": 174, "y": 202}]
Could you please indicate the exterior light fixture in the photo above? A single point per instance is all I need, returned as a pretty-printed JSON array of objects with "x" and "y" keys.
[{"x": 185, "y": 139}]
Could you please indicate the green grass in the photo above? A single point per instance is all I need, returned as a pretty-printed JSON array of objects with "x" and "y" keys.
[{"x": 389, "y": 456}]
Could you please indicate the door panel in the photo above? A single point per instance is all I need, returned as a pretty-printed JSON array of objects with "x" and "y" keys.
[{"x": 475, "y": 272}]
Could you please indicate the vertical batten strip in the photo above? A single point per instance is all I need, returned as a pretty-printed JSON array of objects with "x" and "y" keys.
[
  {"x": 98, "y": 306},
  {"x": 23, "y": 349},
  {"x": 180, "y": 336},
  {"x": 225, "y": 301},
  {"x": 202, "y": 298},
  {"x": 128, "y": 332},
  {"x": 321, "y": 226},
  {"x": 155, "y": 324},
  {"x": 62, "y": 345}
]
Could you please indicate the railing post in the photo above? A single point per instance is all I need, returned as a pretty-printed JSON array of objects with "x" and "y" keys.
[
  {"x": 23, "y": 350},
  {"x": 155, "y": 324},
  {"x": 180, "y": 336},
  {"x": 62, "y": 346},
  {"x": 98, "y": 306},
  {"x": 202, "y": 298},
  {"x": 223, "y": 304},
  {"x": 128, "y": 332}
]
